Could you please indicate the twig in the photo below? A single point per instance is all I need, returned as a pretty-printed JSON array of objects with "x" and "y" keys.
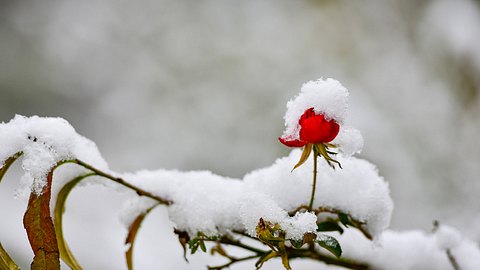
[
  {"x": 452, "y": 260},
  {"x": 450, "y": 256},
  {"x": 236, "y": 243},
  {"x": 232, "y": 261},
  {"x": 118, "y": 180}
]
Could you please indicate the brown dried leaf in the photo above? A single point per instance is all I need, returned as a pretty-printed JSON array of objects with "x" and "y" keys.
[
  {"x": 40, "y": 230},
  {"x": 219, "y": 249},
  {"x": 132, "y": 233},
  {"x": 183, "y": 238},
  {"x": 305, "y": 154}
]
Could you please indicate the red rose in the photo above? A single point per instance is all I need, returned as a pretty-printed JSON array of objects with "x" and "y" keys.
[{"x": 314, "y": 129}]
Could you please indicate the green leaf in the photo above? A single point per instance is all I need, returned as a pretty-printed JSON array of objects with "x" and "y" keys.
[
  {"x": 193, "y": 241},
  {"x": 194, "y": 248},
  {"x": 329, "y": 243},
  {"x": 132, "y": 233},
  {"x": 7, "y": 164},
  {"x": 329, "y": 226},
  {"x": 65, "y": 253},
  {"x": 40, "y": 230},
  {"x": 6, "y": 261},
  {"x": 196, "y": 243},
  {"x": 344, "y": 219},
  {"x": 296, "y": 243},
  {"x": 305, "y": 154},
  {"x": 202, "y": 246},
  {"x": 264, "y": 258}
]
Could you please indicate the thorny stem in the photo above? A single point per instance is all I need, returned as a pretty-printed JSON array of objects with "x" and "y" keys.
[
  {"x": 118, "y": 180},
  {"x": 315, "y": 156}
]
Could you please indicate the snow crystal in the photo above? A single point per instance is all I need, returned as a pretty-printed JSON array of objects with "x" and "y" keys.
[{"x": 327, "y": 97}]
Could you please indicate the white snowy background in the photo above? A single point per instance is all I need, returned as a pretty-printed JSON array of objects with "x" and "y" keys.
[{"x": 203, "y": 85}]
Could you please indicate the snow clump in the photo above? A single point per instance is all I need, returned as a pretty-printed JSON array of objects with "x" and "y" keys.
[{"x": 44, "y": 141}]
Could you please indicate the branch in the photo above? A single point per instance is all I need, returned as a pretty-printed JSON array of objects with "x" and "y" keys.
[
  {"x": 292, "y": 253},
  {"x": 120, "y": 181}
]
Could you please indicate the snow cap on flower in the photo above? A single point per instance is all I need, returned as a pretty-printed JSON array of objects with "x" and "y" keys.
[{"x": 326, "y": 97}]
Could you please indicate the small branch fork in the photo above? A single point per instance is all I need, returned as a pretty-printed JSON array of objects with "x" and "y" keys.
[{"x": 293, "y": 253}]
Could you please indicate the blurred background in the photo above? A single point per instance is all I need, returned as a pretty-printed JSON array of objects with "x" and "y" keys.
[{"x": 203, "y": 85}]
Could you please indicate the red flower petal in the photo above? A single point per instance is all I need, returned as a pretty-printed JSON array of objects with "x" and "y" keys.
[
  {"x": 334, "y": 132},
  {"x": 315, "y": 129},
  {"x": 307, "y": 114},
  {"x": 292, "y": 143}
]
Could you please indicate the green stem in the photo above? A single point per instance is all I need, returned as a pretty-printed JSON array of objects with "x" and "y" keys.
[{"x": 314, "y": 185}]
